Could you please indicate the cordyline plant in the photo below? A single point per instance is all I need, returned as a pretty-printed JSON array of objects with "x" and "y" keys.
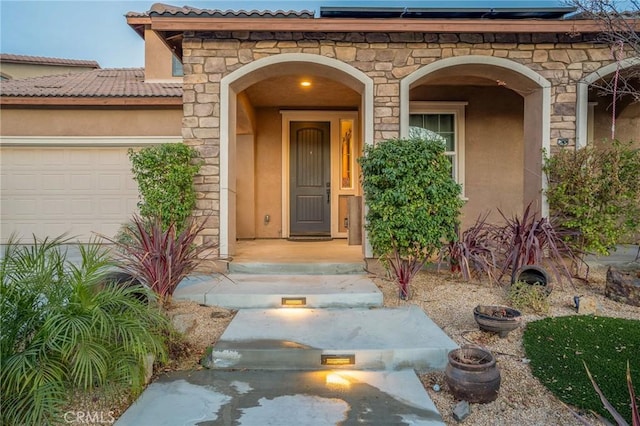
[
  {"x": 620, "y": 420},
  {"x": 473, "y": 253},
  {"x": 413, "y": 203},
  {"x": 161, "y": 258},
  {"x": 499, "y": 250},
  {"x": 405, "y": 268},
  {"x": 527, "y": 240}
]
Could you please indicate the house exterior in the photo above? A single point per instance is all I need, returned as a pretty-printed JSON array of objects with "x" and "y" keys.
[
  {"x": 280, "y": 104},
  {"x": 64, "y": 140}
]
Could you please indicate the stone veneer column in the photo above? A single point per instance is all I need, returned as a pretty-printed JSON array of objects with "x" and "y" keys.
[{"x": 201, "y": 127}]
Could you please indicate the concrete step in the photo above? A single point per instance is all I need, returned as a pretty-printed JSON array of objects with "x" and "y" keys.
[
  {"x": 283, "y": 398},
  {"x": 298, "y": 268},
  {"x": 238, "y": 291},
  {"x": 310, "y": 339}
]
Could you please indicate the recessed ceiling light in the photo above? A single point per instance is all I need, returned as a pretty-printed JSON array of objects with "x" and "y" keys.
[{"x": 305, "y": 83}]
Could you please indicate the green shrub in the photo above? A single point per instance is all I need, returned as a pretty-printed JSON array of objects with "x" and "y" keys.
[
  {"x": 413, "y": 202},
  {"x": 64, "y": 328},
  {"x": 529, "y": 298},
  {"x": 559, "y": 348},
  {"x": 596, "y": 191},
  {"x": 165, "y": 174}
]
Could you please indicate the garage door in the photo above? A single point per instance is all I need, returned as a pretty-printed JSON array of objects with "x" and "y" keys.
[{"x": 48, "y": 191}]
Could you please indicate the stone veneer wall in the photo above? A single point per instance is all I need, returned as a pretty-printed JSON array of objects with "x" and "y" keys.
[{"x": 562, "y": 59}]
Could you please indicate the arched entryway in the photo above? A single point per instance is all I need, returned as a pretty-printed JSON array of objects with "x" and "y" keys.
[
  {"x": 255, "y": 102},
  {"x": 495, "y": 114},
  {"x": 594, "y": 112}
]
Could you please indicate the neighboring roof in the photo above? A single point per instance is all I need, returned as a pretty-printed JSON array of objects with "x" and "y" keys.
[
  {"x": 41, "y": 60},
  {"x": 126, "y": 85}
]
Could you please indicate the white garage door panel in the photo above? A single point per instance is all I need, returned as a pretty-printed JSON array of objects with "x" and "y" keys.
[{"x": 48, "y": 191}]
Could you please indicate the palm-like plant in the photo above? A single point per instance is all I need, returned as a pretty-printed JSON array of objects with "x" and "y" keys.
[{"x": 64, "y": 327}]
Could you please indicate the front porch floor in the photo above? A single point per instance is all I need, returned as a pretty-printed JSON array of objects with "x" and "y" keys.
[{"x": 285, "y": 251}]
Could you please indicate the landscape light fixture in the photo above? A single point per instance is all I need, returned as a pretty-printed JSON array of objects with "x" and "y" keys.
[
  {"x": 294, "y": 301},
  {"x": 349, "y": 359}
]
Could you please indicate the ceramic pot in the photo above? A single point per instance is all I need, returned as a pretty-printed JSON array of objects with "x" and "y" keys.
[
  {"x": 497, "y": 319},
  {"x": 533, "y": 275},
  {"x": 472, "y": 374}
]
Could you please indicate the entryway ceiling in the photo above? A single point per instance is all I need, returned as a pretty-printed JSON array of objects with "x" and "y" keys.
[
  {"x": 285, "y": 91},
  {"x": 480, "y": 75}
]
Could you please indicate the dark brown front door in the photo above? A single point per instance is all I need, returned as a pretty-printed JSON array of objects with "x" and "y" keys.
[{"x": 310, "y": 179}]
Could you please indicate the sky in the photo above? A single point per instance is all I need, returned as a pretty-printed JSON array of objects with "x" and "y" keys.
[{"x": 97, "y": 29}]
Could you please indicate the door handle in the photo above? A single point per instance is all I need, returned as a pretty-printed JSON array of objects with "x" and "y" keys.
[{"x": 328, "y": 192}]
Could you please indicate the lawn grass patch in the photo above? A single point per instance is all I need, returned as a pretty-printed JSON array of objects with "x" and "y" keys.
[{"x": 558, "y": 348}]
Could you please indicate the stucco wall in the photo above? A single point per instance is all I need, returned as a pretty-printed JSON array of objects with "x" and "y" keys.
[
  {"x": 91, "y": 122},
  {"x": 158, "y": 58},
  {"x": 269, "y": 170},
  {"x": 494, "y": 146},
  {"x": 246, "y": 183},
  {"x": 627, "y": 122}
]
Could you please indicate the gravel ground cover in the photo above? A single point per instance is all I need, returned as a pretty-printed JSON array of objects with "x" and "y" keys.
[{"x": 522, "y": 399}]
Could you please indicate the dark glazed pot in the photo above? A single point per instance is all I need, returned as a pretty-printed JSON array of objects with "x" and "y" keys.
[
  {"x": 472, "y": 374},
  {"x": 531, "y": 274},
  {"x": 497, "y": 319},
  {"x": 125, "y": 280}
]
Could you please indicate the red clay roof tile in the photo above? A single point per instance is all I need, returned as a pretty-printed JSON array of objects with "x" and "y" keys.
[
  {"x": 111, "y": 82},
  {"x": 158, "y": 9}
]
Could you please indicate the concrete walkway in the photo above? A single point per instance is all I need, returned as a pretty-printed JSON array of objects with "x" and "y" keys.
[
  {"x": 374, "y": 339},
  {"x": 283, "y": 398},
  {"x": 245, "y": 291},
  {"x": 623, "y": 254},
  {"x": 341, "y": 359}
]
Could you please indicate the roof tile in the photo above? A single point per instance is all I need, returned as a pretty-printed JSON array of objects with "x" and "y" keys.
[
  {"x": 160, "y": 9},
  {"x": 113, "y": 82}
]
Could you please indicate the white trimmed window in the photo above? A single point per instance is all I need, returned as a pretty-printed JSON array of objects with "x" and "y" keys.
[{"x": 446, "y": 119}]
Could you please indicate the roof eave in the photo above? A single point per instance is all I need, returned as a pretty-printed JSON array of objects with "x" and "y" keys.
[
  {"x": 138, "y": 23},
  {"x": 173, "y": 23},
  {"x": 90, "y": 101}
]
